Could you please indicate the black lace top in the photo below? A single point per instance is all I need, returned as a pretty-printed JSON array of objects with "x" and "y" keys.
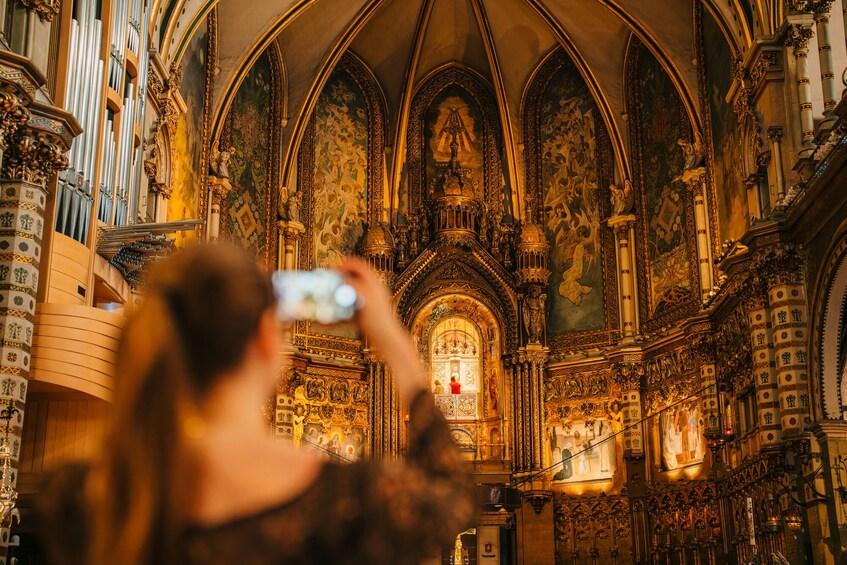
[{"x": 364, "y": 513}]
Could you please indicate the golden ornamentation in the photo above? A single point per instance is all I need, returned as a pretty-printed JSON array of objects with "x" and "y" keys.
[{"x": 46, "y": 9}]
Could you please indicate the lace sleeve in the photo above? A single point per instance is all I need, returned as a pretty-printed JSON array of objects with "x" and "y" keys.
[{"x": 425, "y": 501}]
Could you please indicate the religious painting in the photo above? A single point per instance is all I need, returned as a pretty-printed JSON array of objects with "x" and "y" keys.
[
  {"x": 454, "y": 114},
  {"x": 249, "y": 134},
  {"x": 571, "y": 203},
  {"x": 582, "y": 450},
  {"x": 661, "y": 124},
  {"x": 733, "y": 208},
  {"x": 340, "y": 178},
  {"x": 334, "y": 443},
  {"x": 188, "y": 139},
  {"x": 681, "y": 432}
]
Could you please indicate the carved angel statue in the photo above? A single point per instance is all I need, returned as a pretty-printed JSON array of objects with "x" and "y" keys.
[
  {"x": 533, "y": 314},
  {"x": 292, "y": 206},
  {"x": 219, "y": 161},
  {"x": 621, "y": 198},
  {"x": 693, "y": 152}
]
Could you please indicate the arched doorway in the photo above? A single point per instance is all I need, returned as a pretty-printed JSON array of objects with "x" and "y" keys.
[{"x": 459, "y": 338}]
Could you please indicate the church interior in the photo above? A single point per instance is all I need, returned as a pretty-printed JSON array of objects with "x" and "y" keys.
[{"x": 614, "y": 229}]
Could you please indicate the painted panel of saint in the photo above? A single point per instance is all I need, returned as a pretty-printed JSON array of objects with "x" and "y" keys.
[
  {"x": 661, "y": 114},
  {"x": 584, "y": 451},
  {"x": 571, "y": 206},
  {"x": 733, "y": 208},
  {"x": 454, "y": 109},
  {"x": 250, "y": 136},
  {"x": 681, "y": 431}
]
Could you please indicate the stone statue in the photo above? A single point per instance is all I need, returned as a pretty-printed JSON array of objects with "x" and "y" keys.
[
  {"x": 292, "y": 206},
  {"x": 400, "y": 246},
  {"x": 621, "y": 198},
  {"x": 483, "y": 226},
  {"x": 219, "y": 161},
  {"x": 693, "y": 152},
  {"x": 533, "y": 314},
  {"x": 414, "y": 236}
]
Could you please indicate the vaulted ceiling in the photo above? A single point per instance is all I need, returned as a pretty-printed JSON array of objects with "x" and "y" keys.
[{"x": 402, "y": 41}]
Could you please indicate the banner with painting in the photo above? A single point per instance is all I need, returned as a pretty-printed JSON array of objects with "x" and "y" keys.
[
  {"x": 582, "y": 451},
  {"x": 681, "y": 433}
]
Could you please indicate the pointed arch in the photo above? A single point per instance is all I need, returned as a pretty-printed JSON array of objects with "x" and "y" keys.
[{"x": 586, "y": 314}]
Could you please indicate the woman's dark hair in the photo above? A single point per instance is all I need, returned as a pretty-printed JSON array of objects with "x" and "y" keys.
[{"x": 202, "y": 307}]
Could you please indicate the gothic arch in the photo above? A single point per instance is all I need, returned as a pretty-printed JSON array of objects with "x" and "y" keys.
[
  {"x": 827, "y": 325},
  {"x": 683, "y": 297},
  {"x": 558, "y": 61},
  {"x": 458, "y": 272}
]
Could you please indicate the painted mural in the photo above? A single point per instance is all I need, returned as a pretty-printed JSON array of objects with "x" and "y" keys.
[
  {"x": 662, "y": 120},
  {"x": 250, "y": 125},
  {"x": 681, "y": 431},
  {"x": 340, "y": 181},
  {"x": 454, "y": 110},
  {"x": 582, "y": 451},
  {"x": 733, "y": 208},
  {"x": 188, "y": 140},
  {"x": 340, "y": 178},
  {"x": 571, "y": 206}
]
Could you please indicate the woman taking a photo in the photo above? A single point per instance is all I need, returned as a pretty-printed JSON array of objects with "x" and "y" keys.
[{"x": 189, "y": 473}]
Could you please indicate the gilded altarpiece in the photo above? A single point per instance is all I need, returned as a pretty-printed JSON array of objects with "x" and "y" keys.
[
  {"x": 665, "y": 244},
  {"x": 252, "y": 130},
  {"x": 341, "y": 165},
  {"x": 324, "y": 409},
  {"x": 569, "y": 167}
]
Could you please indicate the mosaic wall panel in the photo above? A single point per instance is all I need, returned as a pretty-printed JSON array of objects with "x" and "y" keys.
[
  {"x": 733, "y": 209},
  {"x": 666, "y": 244},
  {"x": 188, "y": 140},
  {"x": 571, "y": 204},
  {"x": 569, "y": 168},
  {"x": 246, "y": 210}
]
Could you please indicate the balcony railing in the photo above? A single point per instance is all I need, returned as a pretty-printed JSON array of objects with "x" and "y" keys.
[{"x": 457, "y": 406}]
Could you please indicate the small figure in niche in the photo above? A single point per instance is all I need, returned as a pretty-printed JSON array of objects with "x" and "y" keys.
[
  {"x": 292, "y": 206},
  {"x": 455, "y": 385}
]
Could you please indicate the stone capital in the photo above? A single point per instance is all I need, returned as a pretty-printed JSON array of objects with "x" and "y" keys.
[
  {"x": 219, "y": 188},
  {"x": 31, "y": 157},
  {"x": 775, "y": 133},
  {"x": 45, "y": 9},
  {"x": 693, "y": 178},
  {"x": 798, "y": 36},
  {"x": 621, "y": 220}
]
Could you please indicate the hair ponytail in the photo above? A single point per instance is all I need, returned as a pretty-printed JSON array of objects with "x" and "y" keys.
[{"x": 170, "y": 354}]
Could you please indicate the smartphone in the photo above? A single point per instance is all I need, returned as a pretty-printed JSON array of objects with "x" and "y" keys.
[{"x": 321, "y": 295}]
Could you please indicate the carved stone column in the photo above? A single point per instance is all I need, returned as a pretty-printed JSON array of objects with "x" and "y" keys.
[
  {"x": 821, "y": 9},
  {"x": 695, "y": 179},
  {"x": 384, "y": 407},
  {"x": 527, "y": 367},
  {"x": 797, "y": 37},
  {"x": 775, "y": 137},
  {"x": 623, "y": 227},
  {"x": 218, "y": 190},
  {"x": 764, "y": 367},
  {"x": 629, "y": 377},
  {"x": 289, "y": 242},
  {"x": 783, "y": 269}
]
